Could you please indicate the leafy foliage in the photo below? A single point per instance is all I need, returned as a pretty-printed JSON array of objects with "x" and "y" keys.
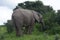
[
  {"x": 37, "y": 6},
  {"x": 9, "y": 26}
]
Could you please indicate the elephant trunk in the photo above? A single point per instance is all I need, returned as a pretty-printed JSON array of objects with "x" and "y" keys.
[{"x": 43, "y": 28}]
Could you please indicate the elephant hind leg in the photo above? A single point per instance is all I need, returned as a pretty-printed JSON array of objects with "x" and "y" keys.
[
  {"x": 19, "y": 31},
  {"x": 15, "y": 25},
  {"x": 18, "y": 28}
]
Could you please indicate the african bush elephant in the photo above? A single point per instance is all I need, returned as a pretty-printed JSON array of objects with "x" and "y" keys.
[{"x": 25, "y": 18}]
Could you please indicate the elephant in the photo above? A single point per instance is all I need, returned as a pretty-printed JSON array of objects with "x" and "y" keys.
[{"x": 25, "y": 18}]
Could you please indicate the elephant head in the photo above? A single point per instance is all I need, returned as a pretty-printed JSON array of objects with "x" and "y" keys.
[{"x": 38, "y": 18}]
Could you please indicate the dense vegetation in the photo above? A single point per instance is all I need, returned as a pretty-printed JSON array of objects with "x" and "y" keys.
[{"x": 51, "y": 20}]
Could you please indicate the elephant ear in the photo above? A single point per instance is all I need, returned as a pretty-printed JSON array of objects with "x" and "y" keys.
[{"x": 36, "y": 16}]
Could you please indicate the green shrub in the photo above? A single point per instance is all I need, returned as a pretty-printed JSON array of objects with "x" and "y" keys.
[{"x": 9, "y": 26}]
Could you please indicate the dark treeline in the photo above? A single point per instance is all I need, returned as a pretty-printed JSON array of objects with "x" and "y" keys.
[{"x": 51, "y": 18}]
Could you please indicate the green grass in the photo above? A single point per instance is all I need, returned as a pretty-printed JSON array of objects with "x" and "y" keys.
[
  {"x": 28, "y": 37},
  {"x": 2, "y": 30},
  {"x": 34, "y": 36}
]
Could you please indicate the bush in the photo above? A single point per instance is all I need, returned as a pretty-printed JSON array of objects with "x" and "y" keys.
[{"x": 9, "y": 26}]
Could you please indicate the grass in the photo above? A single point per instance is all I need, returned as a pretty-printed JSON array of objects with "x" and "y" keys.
[
  {"x": 28, "y": 37},
  {"x": 34, "y": 36}
]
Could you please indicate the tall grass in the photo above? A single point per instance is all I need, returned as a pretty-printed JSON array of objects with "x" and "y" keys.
[{"x": 34, "y": 36}]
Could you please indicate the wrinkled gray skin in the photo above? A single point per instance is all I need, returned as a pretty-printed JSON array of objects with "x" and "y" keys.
[{"x": 25, "y": 18}]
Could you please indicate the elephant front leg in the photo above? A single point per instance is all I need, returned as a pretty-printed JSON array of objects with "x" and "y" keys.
[
  {"x": 26, "y": 30},
  {"x": 30, "y": 29},
  {"x": 31, "y": 26}
]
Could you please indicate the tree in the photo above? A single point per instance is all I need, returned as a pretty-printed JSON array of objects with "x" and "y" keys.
[{"x": 58, "y": 17}]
